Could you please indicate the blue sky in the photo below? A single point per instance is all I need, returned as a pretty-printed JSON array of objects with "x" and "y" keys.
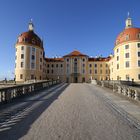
[{"x": 90, "y": 26}]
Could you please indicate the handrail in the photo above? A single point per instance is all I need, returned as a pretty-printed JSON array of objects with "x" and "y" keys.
[
  {"x": 9, "y": 93},
  {"x": 126, "y": 90}
]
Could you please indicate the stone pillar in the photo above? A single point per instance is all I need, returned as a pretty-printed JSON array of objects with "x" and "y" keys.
[
  {"x": 129, "y": 92},
  {"x": 119, "y": 89},
  {"x": 7, "y": 95},
  {"x": 136, "y": 95},
  {"x": 102, "y": 83},
  {"x": 124, "y": 91}
]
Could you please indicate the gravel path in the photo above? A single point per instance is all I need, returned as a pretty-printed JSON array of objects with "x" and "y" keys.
[{"x": 75, "y": 112}]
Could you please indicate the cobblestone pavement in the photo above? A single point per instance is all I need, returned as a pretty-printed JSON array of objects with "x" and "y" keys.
[{"x": 66, "y": 112}]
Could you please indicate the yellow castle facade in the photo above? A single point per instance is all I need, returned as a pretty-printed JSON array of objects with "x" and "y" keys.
[{"x": 31, "y": 63}]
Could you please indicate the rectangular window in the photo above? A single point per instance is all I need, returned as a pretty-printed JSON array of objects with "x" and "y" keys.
[
  {"x": 83, "y": 71},
  {"x": 138, "y": 45},
  {"x": 22, "y": 64},
  {"x": 138, "y": 63},
  {"x": 106, "y": 65},
  {"x": 57, "y": 65},
  {"x": 117, "y": 58},
  {"x": 48, "y": 65},
  {"x": 90, "y": 71},
  {"x": 100, "y": 65},
  {"x": 33, "y": 57},
  {"x": 32, "y": 65},
  {"x": 32, "y": 76},
  {"x": 33, "y": 49},
  {"x": 22, "y": 56},
  {"x": 117, "y": 50},
  {"x": 126, "y": 46},
  {"x": 117, "y": 66},
  {"x": 100, "y": 71},
  {"x": 22, "y": 47},
  {"x": 138, "y": 54},
  {"x": 61, "y": 65},
  {"x": 127, "y": 64},
  {"x": 90, "y": 65},
  {"x": 95, "y": 65},
  {"x": 40, "y": 67},
  {"x": 127, "y": 55},
  {"x": 127, "y": 77},
  {"x": 21, "y": 76},
  {"x": 47, "y": 71},
  {"x": 95, "y": 71},
  {"x": 139, "y": 76}
]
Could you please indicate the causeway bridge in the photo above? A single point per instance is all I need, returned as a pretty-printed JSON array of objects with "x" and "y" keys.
[{"x": 60, "y": 111}]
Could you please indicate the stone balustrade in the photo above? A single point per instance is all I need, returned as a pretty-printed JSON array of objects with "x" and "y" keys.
[
  {"x": 126, "y": 90},
  {"x": 9, "y": 93}
]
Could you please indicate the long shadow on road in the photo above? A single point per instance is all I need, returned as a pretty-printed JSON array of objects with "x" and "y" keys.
[{"x": 17, "y": 125}]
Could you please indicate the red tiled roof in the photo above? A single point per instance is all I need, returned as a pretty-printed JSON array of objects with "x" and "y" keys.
[
  {"x": 131, "y": 32},
  {"x": 99, "y": 59},
  {"x": 54, "y": 59},
  {"x": 29, "y": 37},
  {"x": 75, "y": 53}
]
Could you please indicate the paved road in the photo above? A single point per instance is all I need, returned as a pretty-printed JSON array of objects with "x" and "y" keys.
[{"x": 65, "y": 112}]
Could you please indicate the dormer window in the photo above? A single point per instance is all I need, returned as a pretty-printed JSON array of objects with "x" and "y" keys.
[
  {"x": 23, "y": 39},
  {"x": 26, "y": 39},
  {"x": 33, "y": 41},
  {"x": 138, "y": 35},
  {"x": 127, "y": 37}
]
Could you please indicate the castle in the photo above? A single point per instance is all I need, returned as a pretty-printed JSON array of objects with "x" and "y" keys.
[{"x": 77, "y": 67}]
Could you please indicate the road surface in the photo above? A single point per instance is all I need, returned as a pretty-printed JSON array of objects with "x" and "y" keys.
[{"x": 65, "y": 112}]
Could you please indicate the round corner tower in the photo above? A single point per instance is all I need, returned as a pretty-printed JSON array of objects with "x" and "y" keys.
[
  {"x": 127, "y": 54},
  {"x": 29, "y": 56}
]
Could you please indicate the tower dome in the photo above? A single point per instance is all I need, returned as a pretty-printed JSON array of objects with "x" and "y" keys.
[
  {"x": 30, "y": 37},
  {"x": 130, "y": 33}
]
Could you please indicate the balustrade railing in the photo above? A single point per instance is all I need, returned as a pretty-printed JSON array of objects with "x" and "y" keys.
[
  {"x": 126, "y": 90},
  {"x": 9, "y": 93}
]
